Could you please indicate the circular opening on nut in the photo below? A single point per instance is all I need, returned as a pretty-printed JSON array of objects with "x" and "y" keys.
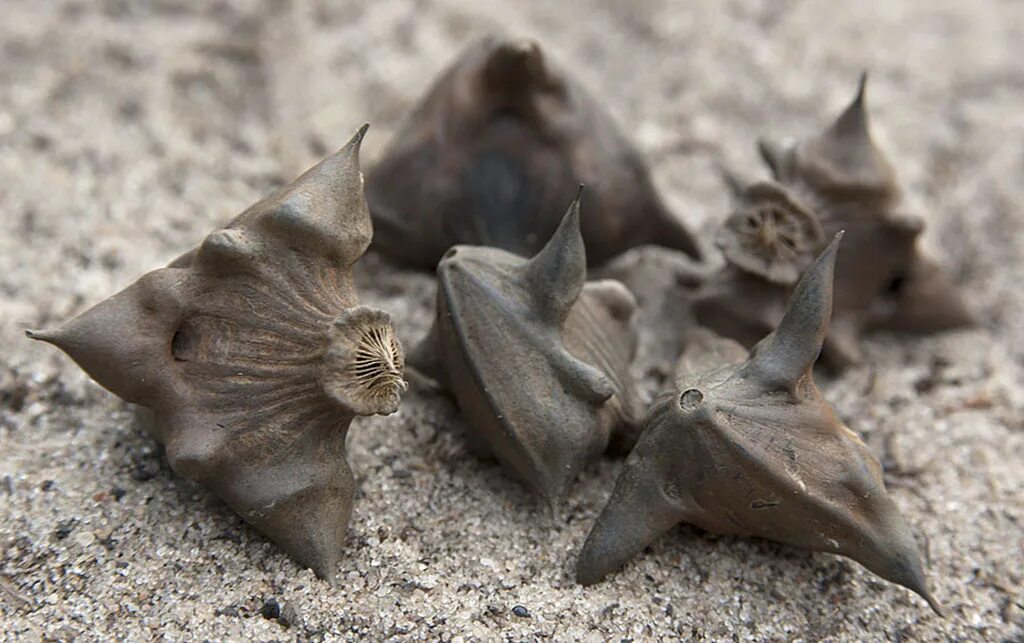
[{"x": 691, "y": 399}]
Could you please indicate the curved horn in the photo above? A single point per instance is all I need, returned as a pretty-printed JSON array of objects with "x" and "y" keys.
[
  {"x": 306, "y": 212},
  {"x": 852, "y": 124},
  {"x": 783, "y": 357},
  {"x": 125, "y": 341},
  {"x": 555, "y": 275}
]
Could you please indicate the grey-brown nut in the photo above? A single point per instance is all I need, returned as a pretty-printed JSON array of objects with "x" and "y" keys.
[
  {"x": 885, "y": 280},
  {"x": 770, "y": 234},
  {"x": 495, "y": 150},
  {"x": 536, "y": 359},
  {"x": 252, "y": 355},
  {"x": 746, "y": 298},
  {"x": 746, "y": 445}
]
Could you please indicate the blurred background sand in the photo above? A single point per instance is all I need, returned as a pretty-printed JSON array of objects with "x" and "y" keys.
[{"x": 130, "y": 128}]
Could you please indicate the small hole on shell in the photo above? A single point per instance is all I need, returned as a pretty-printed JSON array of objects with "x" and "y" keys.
[
  {"x": 450, "y": 253},
  {"x": 691, "y": 399}
]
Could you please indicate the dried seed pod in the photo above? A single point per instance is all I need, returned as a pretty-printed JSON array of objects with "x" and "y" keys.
[
  {"x": 252, "y": 355},
  {"x": 768, "y": 241},
  {"x": 885, "y": 280},
  {"x": 536, "y": 359},
  {"x": 746, "y": 445},
  {"x": 495, "y": 150},
  {"x": 770, "y": 234}
]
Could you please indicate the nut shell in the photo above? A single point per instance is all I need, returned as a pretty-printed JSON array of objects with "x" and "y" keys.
[
  {"x": 495, "y": 150},
  {"x": 245, "y": 355}
]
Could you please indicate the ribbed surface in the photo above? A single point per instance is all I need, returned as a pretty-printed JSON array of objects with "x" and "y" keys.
[{"x": 594, "y": 336}]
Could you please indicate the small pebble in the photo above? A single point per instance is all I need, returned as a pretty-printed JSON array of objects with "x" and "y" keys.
[
  {"x": 289, "y": 615},
  {"x": 64, "y": 528},
  {"x": 271, "y": 609},
  {"x": 143, "y": 473},
  {"x": 85, "y": 539},
  {"x": 521, "y": 611},
  {"x": 227, "y": 534},
  {"x": 230, "y": 610}
]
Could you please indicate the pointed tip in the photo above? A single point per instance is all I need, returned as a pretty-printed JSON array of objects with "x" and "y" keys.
[
  {"x": 818, "y": 280},
  {"x": 567, "y": 238},
  {"x": 356, "y": 142},
  {"x": 933, "y": 603},
  {"x": 307, "y": 517},
  {"x": 572, "y": 214},
  {"x": 556, "y": 274},
  {"x": 48, "y": 336},
  {"x": 788, "y": 353},
  {"x": 352, "y": 147},
  {"x": 824, "y": 266},
  {"x": 859, "y": 102},
  {"x": 836, "y": 239},
  {"x": 327, "y": 569},
  {"x": 917, "y": 584},
  {"x": 862, "y": 84},
  {"x": 854, "y": 119},
  {"x": 324, "y": 564},
  {"x": 568, "y": 233},
  {"x": 551, "y": 487}
]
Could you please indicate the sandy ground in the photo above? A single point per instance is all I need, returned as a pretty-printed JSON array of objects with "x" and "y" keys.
[{"x": 128, "y": 129}]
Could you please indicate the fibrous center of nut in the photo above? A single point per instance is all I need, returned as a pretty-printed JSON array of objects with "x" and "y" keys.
[
  {"x": 771, "y": 232},
  {"x": 691, "y": 399},
  {"x": 377, "y": 367}
]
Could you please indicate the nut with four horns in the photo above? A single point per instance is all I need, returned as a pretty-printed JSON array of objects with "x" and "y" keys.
[
  {"x": 251, "y": 356},
  {"x": 745, "y": 444},
  {"x": 536, "y": 359},
  {"x": 884, "y": 281},
  {"x": 493, "y": 152}
]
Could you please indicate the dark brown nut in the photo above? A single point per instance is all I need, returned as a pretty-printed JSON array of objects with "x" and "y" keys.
[
  {"x": 495, "y": 150},
  {"x": 251, "y": 356},
  {"x": 746, "y": 445},
  {"x": 536, "y": 359},
  {"x": 884, "y": 278}
]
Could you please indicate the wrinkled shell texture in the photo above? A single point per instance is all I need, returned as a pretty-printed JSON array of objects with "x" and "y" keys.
[
  {"x": 837, "y": 179},
  {"x": 887, "y": 281},
  {"x": 153, "y": 123},
  {"x": 250, "y": 356},
  {"x": 747, "y": 445},
  {"x": 537, "y": 360},
  {"x": 492, "y": 153}
]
